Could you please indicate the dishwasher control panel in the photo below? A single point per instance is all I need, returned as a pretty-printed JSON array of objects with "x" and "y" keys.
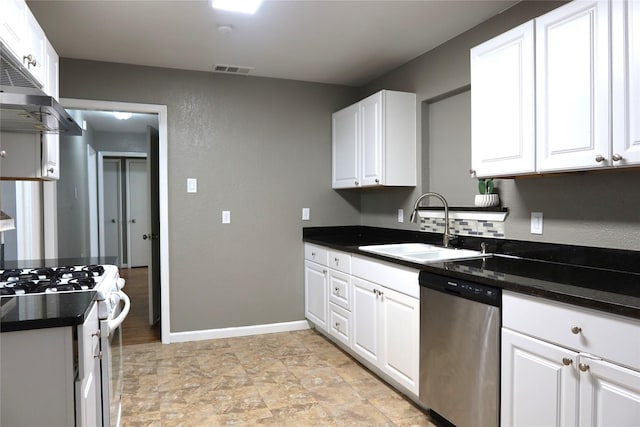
[{"x": 462, "y": 288}]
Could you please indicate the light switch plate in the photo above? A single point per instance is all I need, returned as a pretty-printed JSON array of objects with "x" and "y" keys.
[
  {"x": 306, "y": 215},
  {"x": 192, "y": 185},
  {"x": 400, "y": 215},
  {"x": 536, "y": 222},
  {"x": 226, "y": 217}
]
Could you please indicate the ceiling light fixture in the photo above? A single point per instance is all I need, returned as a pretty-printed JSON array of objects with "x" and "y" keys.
[
  {"x": 122, "y": 116},
  {"x": 242, "y": 6}
]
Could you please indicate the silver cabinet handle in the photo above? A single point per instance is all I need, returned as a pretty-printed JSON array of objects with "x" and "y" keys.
[
  {"x": 98, "y": 356},
  {"x": 357, "y": 183},
  {"x": 51, "y": 170},
  {"x": 576, "y": 330},
  {"x": 146, "y": 236},
  {"x": 337, "y": 260},
  {"x": 337, "y": 290},
  {"x": 377, "y": 181},
  {"x": 324, "y": 271},
  {"x": 567, "y": 361},
  {"x": 313, "y": 254},
  {"x": 472, "y": 172},
  {"x": 97, "y": 334},
  {"x": 616, "y": 157},
  {"x": 583, "y": 367},
  {"x": 30, "y": 60},
  {"x": 600, "y": 158}
]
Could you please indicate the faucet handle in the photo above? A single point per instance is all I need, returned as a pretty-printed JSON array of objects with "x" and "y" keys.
[{"x": 483, "y": 247}]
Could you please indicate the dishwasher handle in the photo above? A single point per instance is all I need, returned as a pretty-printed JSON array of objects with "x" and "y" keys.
[{"x": 481, "y": 293}]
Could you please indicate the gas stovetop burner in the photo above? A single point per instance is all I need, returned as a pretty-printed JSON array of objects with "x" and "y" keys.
[{"x": 46, "y": 280}]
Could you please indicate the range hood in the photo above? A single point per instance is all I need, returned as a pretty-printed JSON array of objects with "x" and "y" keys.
[{"x": 24, "y": 107}]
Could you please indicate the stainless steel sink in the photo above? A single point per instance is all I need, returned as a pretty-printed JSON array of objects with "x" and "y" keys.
[{"x": 422, "y": 252}]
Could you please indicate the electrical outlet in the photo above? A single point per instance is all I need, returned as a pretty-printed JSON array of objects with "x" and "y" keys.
[
  {"x": 192, "y": 185},
  {"x": 400, "y": 215},
  {"x": 306, "y": 214},
  {"x": 226, "y": 217},
  {"x": 536, "y": 222}
]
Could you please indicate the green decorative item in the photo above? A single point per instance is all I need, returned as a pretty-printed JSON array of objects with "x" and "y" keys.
[{"x": 486, "y": 198}]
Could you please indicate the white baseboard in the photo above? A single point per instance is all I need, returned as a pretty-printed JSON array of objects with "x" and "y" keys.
[{"x": 241, "y": 331}]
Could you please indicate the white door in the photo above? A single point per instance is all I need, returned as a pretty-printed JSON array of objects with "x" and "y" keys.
[
  {"x": 539, "y": 383},
  {"x": 371, "y": 140},
  {"x": 626, "y": 81},
  {"x": 153, "y": 147},
  {"x": 400, "y": 346},
  {"x": 572, "y": 87},
  {"x": 503, "y": 105},
  {"x": 138, "y": 217},
  {"x": 365, "y": 309},
  {"x": 609, "y": 394},
  {"x": 112, "y": 209},
  {"x": 345, "y": 147},
  {"x": 315, "y": 295}
]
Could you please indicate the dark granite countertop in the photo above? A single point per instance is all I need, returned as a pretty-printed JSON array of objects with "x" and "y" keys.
[
  {"x": 23, "y": 312},
  {"x": 598, "y": 278}
]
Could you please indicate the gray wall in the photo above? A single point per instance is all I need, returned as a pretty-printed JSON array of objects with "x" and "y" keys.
[
  {"x": 74, "y": 238},
  {"x": 260, "y": 148},
  {"x": 120, "y": 141},
  {"x": 592, "y": 209}
]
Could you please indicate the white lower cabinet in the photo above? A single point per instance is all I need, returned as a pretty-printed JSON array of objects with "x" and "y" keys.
[
  {"x": 553, "y": 380},
  {"x": 373, "y": 312},
  {"x": 66, "y": 386},
  {"x": 315, "y": 293}
]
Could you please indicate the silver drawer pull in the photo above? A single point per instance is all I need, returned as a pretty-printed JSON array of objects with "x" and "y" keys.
[
  {"x": 567, "y": 361},
  {"x": 576, "y": 330},
  {"x": 583, "y": 367}
]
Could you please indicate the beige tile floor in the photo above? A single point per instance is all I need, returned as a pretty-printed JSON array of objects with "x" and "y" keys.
[{"x": 284, "y": 379}]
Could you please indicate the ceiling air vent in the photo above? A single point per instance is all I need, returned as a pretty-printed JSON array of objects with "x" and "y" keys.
[{"x": 232, "y": 69}]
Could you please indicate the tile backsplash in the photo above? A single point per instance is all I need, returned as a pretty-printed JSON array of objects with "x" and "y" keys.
[{"x": 464, "y": 227}]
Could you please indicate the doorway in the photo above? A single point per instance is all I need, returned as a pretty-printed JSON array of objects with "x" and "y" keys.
[
  {"x": 158, "y": 270},
  {"x": 125, "y": 218}
]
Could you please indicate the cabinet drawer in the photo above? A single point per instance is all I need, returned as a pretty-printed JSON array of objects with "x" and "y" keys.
[
  {"x": 340, "y": 261},
  {"x": 340, "y": 324},
  {"x": 614, "y": 338},
  {"x": 340, "y": 289},
  {"x": 315, "y": 253},
  {"x": 401, "y": 279}
]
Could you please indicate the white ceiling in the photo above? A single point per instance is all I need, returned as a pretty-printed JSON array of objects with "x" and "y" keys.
[
  {"x": 106, "y": 121},
  {"x": 347, "y": 42}
]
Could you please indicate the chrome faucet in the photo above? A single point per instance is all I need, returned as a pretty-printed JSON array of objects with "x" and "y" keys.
[{"x": 447, "y": 236}]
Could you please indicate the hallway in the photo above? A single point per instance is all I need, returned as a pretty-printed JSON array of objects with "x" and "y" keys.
[{"x": 136, "y": 329}]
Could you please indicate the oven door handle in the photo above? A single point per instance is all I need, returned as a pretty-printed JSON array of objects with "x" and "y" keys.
[{"x": 115, "y": 323}]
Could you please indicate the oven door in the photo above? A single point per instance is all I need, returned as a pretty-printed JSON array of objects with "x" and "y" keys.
[{"x": 112, "y": 367}]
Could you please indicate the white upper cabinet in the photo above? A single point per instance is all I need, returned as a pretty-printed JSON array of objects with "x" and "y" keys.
[
  {"x": 35, "y": 49},
  {"x": 586, "y": 56},
  {"x": 345, "y": 147},
  {"x": 374, "y": 142},
  {"x": 13, "y": 25},
  {"x": 502, "y": 101},
  {"x": 572, "y": 87},
  {"x": 626, "y": 81}
]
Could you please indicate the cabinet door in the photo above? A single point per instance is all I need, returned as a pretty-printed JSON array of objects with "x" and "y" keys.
[
  {"x": 625, "y": 53},
  {"x": 371, "y": 138},
  {"x": 572, "y": 87},
  {"x": 609, "y": 394},
  {"x": 400, "y": 341},
  {"x": 345, "y": 150},
  {"x": 315, "y": 295},
  {"x": 35, "y": 48},
  {"x": 365, "y": 308},
  {"x": 502, "y": 104},
  {"x": 13, "y": 26},
  {"x": 539, "y": 383}
]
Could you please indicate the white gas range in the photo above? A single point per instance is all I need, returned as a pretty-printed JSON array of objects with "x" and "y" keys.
[{"x": 111, "y": 308}]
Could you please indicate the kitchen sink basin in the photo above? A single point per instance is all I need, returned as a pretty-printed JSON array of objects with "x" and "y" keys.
[{"x": 422, "y": 252}]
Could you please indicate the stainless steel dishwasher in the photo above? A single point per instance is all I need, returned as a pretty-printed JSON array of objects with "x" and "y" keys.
[{"x": 459, "y": 351}]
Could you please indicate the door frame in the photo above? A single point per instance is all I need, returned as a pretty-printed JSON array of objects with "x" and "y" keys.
[
  {"x": 119, "y": 155},
  {"x": 161, "y": 111}
]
